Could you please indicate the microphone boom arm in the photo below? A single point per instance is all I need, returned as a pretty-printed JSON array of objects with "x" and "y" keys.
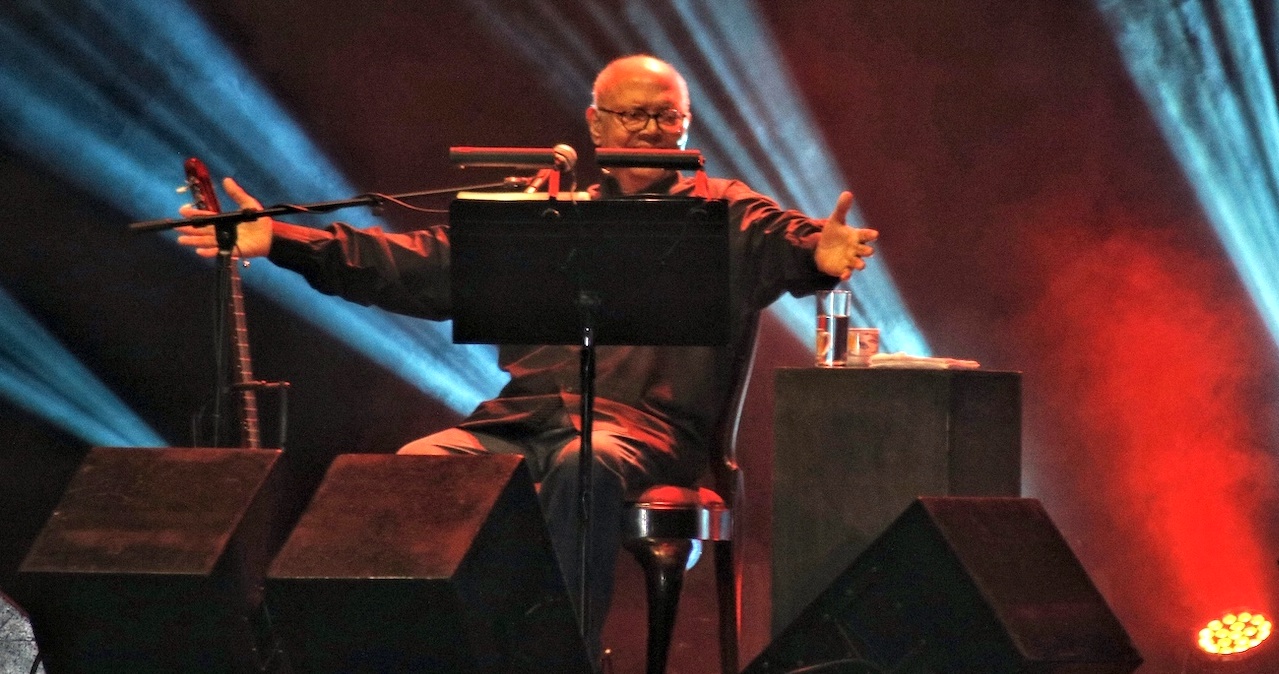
[{"x": 247, "y": 215}]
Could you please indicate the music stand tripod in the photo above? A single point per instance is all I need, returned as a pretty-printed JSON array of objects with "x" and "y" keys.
[{"x": 650, "y": 271}]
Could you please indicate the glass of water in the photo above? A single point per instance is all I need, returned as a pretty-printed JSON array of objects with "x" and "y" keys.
[{"x": 832, "y": 327}]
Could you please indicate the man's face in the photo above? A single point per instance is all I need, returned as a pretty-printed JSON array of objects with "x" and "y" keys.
[{"x": 650, "y": 92}]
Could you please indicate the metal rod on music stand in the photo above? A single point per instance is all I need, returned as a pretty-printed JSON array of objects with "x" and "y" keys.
[{"x": 588, "y": 302}]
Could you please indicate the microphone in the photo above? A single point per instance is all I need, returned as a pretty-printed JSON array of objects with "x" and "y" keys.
[
  {"x": 565, "y": 157},
  {"x": 561, "y": 157},
  {"x": 565, "y": 160}
]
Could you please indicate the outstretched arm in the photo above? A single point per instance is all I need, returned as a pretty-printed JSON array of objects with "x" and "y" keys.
[{"x": 841, "y": 249}]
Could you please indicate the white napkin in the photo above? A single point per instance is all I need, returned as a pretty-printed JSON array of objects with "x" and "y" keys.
[{"x": 903, "y": 360}]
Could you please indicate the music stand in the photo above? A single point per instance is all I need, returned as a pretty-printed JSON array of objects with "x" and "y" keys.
[{"x": 646, "y": 271}]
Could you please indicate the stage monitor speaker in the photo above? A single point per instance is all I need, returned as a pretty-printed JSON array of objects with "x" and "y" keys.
[
  {"x": 424, "y": 564},
  {"x": 958, "y": 584},
  {"x": 153, "y": 562}
]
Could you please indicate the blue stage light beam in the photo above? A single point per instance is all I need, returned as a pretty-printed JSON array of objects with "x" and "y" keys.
[
  {"x": 1203, "y": 70},
  {"x": 767, "y": 138},
  {"x": 39, "y": 375},
  {"x": 113, "y": 99}
]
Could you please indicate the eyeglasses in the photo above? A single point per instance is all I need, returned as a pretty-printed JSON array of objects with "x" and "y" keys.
[{"x": 669, "y": 119}]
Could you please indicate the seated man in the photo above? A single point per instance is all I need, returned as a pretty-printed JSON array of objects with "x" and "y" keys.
[{"x": 656, "y": 407}]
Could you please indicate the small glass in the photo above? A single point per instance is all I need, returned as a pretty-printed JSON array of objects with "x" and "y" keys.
[
  {"x": 832, "y": 327},
  {"x": 862, "y": 344}
]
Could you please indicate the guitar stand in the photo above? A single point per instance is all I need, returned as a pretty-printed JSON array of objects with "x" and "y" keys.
[{"x": 282, "y": 389}]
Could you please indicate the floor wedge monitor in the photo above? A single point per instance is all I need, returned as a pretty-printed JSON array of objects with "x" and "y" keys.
[
  {"x": 153, "y": 562},
  {"x": 424, "y": 564},
  {"x": 959, "y": 584}
]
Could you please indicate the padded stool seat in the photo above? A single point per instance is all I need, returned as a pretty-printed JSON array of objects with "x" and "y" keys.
[{"x": 667, "y": 511}]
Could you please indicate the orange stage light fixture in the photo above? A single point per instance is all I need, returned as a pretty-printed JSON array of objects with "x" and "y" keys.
[{"x": 1234, "y": 632}]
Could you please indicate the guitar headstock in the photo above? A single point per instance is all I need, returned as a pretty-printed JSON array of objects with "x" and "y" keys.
[{"x": 201, "y": 186}]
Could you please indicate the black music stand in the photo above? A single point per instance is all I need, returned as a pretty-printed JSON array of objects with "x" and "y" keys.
[{"x": 652, "y": 271}]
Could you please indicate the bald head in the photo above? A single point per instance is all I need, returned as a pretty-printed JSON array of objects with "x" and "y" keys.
[
  {"x": 640, "y": 102},
  {"x": 639, "y": 70}
]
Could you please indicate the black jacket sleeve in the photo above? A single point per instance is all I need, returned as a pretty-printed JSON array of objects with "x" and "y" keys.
[{"x": 404, "y": 273}]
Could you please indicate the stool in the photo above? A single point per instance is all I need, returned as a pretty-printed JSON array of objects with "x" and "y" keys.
[{"x": 659, "y": 528}]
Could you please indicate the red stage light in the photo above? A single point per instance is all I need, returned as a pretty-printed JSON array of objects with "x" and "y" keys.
[{"x": 1234, "y": 633}]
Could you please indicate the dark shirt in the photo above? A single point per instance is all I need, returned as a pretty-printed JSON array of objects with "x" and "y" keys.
[{"x": 669, "y": 398}]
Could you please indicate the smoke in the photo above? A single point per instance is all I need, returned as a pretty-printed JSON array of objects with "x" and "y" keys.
[{"x": 1158, "y": 453}]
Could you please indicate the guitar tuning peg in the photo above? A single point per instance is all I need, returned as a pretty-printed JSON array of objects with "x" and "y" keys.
[{"x": 183, "y": 189}]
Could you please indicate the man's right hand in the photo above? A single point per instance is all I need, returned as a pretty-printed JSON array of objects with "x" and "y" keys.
[{"x": 253, "y": 239}]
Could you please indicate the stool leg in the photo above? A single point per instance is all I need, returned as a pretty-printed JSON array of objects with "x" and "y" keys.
[
  {"x": 726, "y": 583},
  {"x": 663, "y": 561}
]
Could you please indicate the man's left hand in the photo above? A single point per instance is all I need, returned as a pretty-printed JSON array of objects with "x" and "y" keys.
[{"x": 841, "y": 249}]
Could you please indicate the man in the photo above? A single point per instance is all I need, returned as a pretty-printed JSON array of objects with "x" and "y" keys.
[{"x": 656, "y": 407}]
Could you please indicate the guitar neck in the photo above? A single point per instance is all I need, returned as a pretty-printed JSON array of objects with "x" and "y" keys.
[{"x": 242, "y": 364}]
